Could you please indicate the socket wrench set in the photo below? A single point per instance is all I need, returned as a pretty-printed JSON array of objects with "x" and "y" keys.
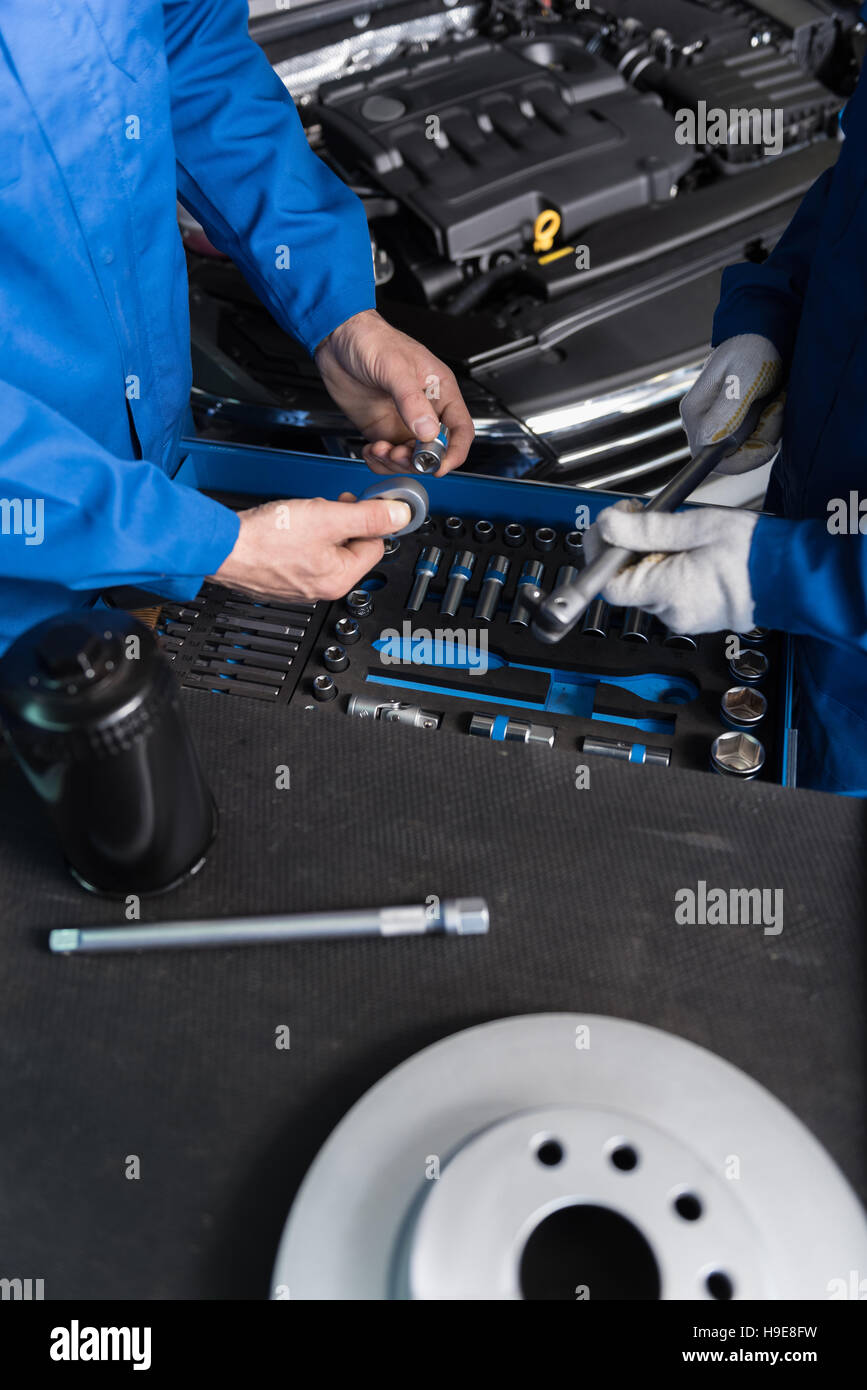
[{"x": 438, "y": 636}]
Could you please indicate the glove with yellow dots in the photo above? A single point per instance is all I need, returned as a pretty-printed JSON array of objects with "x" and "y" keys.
[{"x": 736, "y": 373}]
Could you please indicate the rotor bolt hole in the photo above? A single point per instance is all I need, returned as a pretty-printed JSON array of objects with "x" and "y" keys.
[
  {"x": 550, "y": 1152},
  {"x": 719, "y": 1286},
  {"x": 688, "y": 1206},
  {"x": 624, "y": 1157}
]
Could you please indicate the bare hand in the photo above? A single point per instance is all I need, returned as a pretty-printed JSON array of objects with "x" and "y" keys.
[
  {"x": 309, "y": 548},
  {"x": 394, "y": 390}
]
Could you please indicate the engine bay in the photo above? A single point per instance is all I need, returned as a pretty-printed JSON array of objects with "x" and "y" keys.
[
  {"x": 552, "y": 189},
  {"x": 483, "y": 139}
]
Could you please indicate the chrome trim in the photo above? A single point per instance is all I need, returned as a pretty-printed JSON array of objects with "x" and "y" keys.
[
  {"x": 622, "y": 442},
  {"x": 564, "y": 428},
  {"x": 606, "y": 481},
  {"x": 630, "y": 400},
  {"x": 502, "y": 429}
]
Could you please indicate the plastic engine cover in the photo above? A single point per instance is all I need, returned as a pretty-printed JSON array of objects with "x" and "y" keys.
[{"x": 478, "y": 138}]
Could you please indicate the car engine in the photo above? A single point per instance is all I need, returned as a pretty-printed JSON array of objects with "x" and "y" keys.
[
  {"x": 481, "y": 138},
  {"x": 552, "y": 190}
]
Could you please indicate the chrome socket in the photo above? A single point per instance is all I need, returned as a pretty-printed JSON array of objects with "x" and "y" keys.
[
  {"x": 743, "y": 706},
  {"x": 335, "y": 658},
  {"x": 531, "y": 578},
  {"x": 515, "y": 730},
  {"x": 459, "y": 576},
  {"x": 749, "y": 666},
  {"x": 492, "y": 588},
  {"x": 737, "y": 754},
  {"x": 359, "y": 603}
]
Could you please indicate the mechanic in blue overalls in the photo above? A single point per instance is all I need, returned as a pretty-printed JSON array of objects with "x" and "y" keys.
[
  {"x": 801, "y": 318},
  {"x": 109, "y": 111}
]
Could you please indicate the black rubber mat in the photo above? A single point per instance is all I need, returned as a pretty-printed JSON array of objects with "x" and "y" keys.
[{"x": 171, "y": 1058}]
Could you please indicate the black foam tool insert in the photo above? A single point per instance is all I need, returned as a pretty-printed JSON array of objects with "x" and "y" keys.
[{"x": 273, "y": 652}]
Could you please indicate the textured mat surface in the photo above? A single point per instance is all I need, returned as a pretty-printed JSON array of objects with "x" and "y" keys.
[{"x": 172, "y": 1057}]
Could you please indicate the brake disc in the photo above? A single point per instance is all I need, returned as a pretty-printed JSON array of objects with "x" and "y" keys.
[{"x": 569, "y": 1156}]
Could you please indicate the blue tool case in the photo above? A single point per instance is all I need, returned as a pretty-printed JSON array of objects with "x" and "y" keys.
[{"x": 462, "y": 660}]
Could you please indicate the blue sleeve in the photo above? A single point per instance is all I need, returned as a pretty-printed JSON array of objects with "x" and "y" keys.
[
  {"x": 104, "y": 520},
  {"x": 767, "y": 298},
  {"x": 247, "y": 172},
  {"x": 806, "y": 580}
]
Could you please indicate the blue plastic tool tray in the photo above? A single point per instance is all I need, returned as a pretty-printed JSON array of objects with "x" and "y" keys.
[{"x": 640, "y": 695}]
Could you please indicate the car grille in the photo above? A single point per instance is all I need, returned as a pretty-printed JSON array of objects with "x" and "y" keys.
[{"x": 629, "y": 440}]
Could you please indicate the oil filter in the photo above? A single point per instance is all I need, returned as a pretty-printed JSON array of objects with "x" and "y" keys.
[{"x": 92, "y": 713}]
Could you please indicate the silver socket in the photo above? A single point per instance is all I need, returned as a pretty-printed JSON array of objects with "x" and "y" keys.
[
  {"x": 459, "y": 576},
  {"x": 596, "y": 618},
  {"x": 427, "y": 455},
  {"x": 425, "y": 570},
  {"x": 749, "y": 666},
  {"x": 335, "y": 658},
  {"x": 529, "y": 581},
  {"x": 324, "y": 688},
  {"x": 623, "y": 750},
  {"x": 347, "y": 630},
  {"x": 492, "y": 588},
  {"x": 516, "y": 730},
  {"x": 743, "y": 706},
  {"x": 737, "y": 754},
  {"x": 359, "y": 603},
  {"x": 574, "y": 543}
]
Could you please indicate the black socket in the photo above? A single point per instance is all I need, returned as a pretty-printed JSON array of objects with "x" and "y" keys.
[
  {"x": 453, "y": 526},
  {"x": 544, "y": 538},
  {"x": 514, "y": 534},
  {"x": 391, "y": 545},
  {"x": 347, "y": 630},
  {"x": 574, "y": 542},
  {"x": 483, "y": 531},
  {"x": 335, "y": 658},
  {"x": 425, "y": 528},
  {"x": 324, "y": 688},
  {"x": 359, "y": 603}
]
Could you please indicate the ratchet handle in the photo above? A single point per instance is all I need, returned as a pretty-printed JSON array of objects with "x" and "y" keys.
[{"x": 559, "y": 612}]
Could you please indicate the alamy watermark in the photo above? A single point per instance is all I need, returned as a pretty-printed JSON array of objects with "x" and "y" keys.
[
  {"x": 740, "y": 125},
  {"x": 703, "y": 906},
  {"x": 23, "y": 516},
  {"x": 847, "y": 516},
  {"x": 460, "y": 649},
  {"x": 77, "y": 1343},
  {"x": 22, "y": 1290}
]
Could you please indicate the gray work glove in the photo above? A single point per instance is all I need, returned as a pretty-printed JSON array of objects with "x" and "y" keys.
[
  {"x": 694, "y": 571},
  {"x": 736, "y": 372}
]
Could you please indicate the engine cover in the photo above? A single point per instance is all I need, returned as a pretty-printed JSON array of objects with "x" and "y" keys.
[{"x": 480, "y": 137}]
